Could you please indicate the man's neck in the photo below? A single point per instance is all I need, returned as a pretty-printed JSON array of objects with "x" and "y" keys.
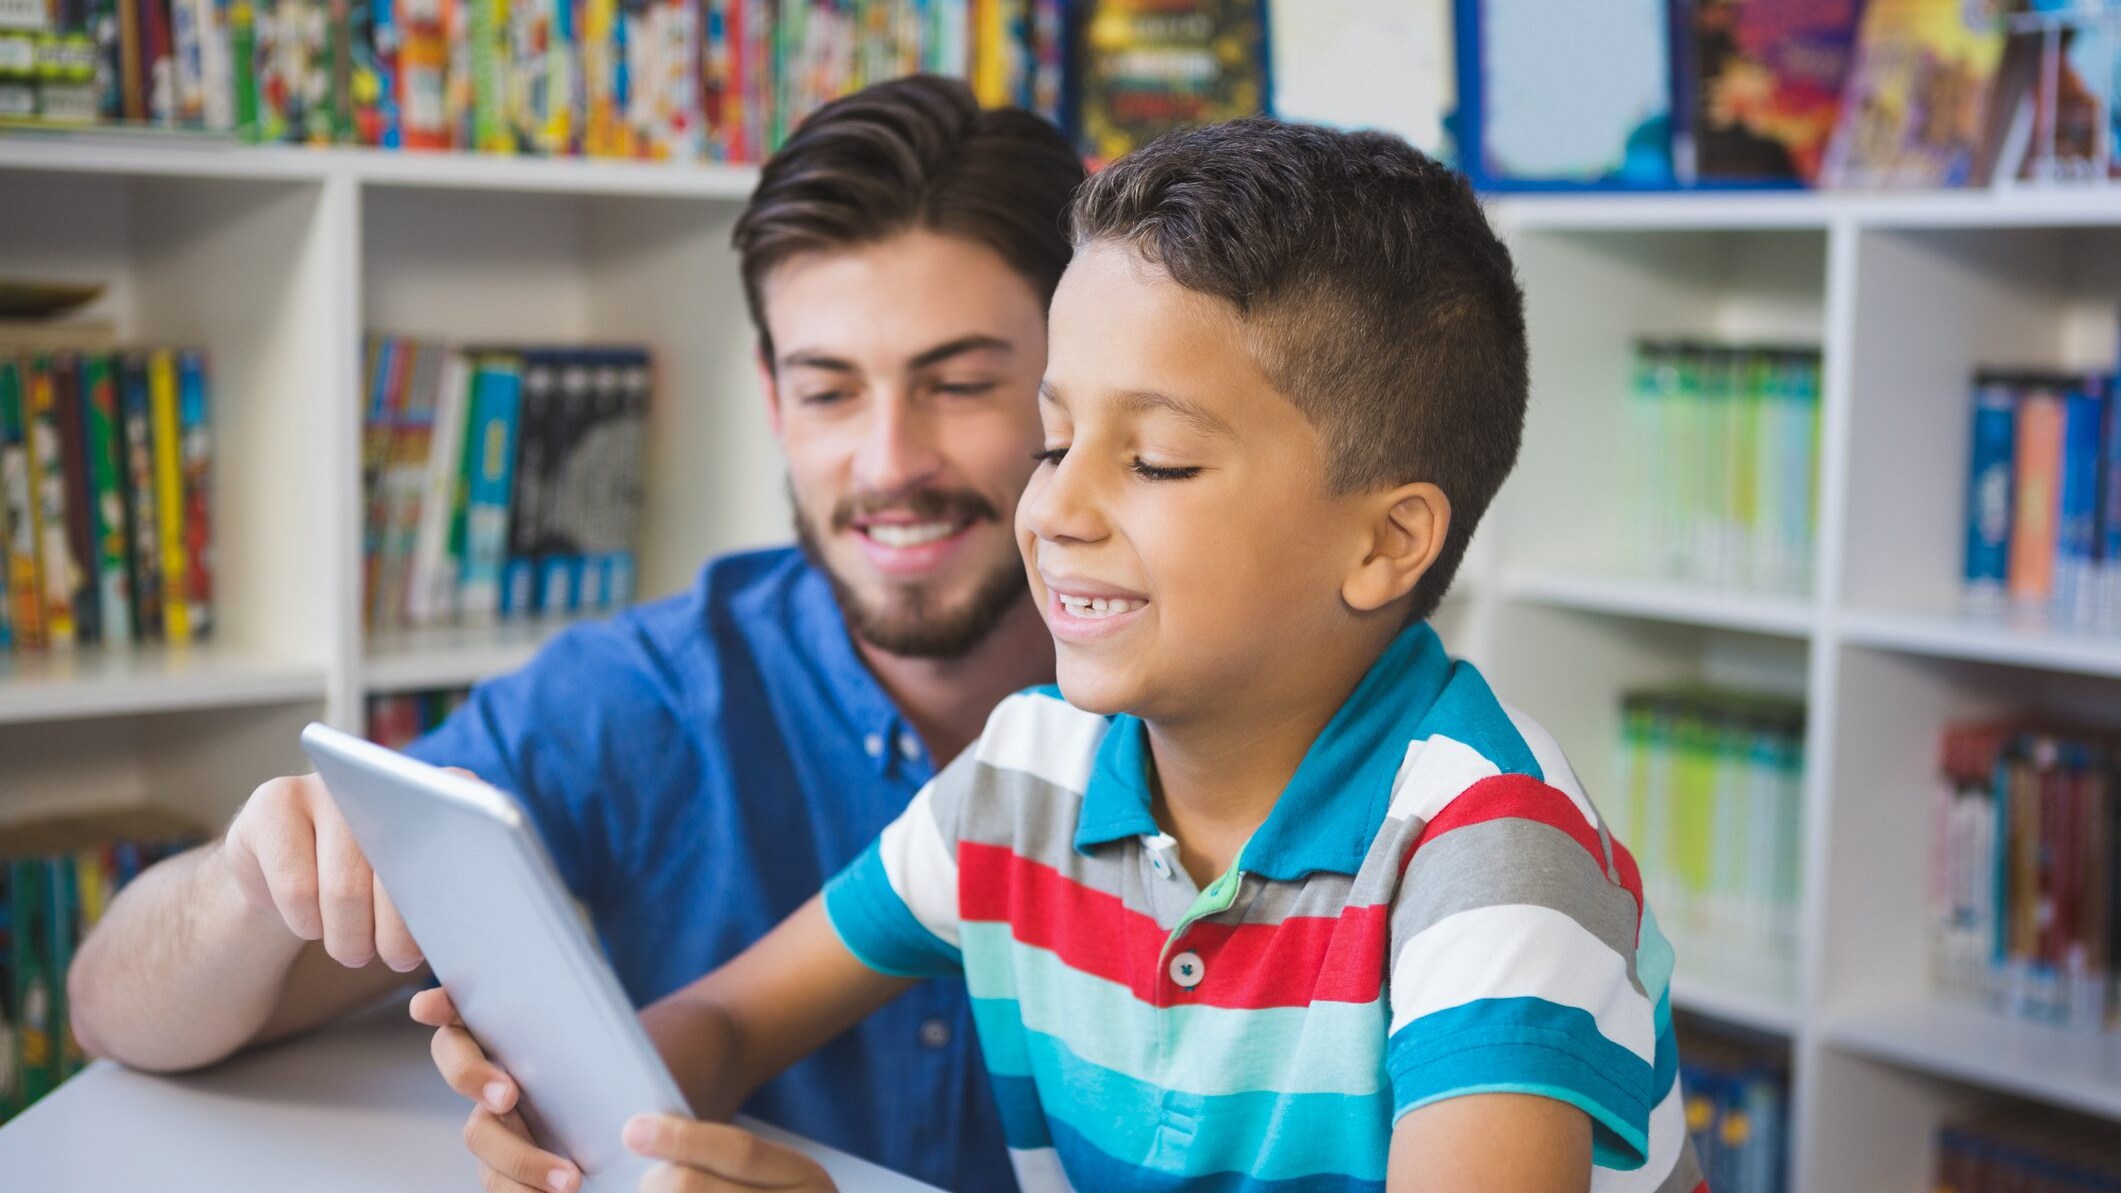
[{"x": 948, "y": 700}]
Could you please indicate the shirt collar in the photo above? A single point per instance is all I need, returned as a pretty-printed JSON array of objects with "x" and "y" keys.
[
  {"x": 1327, "y": 815},
  {"x": 876, "y": 721}
]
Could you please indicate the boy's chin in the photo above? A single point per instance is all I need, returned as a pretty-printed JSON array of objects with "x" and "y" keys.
[{"x": 1093, "y": 689}]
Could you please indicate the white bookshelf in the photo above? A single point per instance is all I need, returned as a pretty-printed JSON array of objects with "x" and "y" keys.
[{"x": 276, "y": 260}]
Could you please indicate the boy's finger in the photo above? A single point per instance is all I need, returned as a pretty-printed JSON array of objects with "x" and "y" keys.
[
  {"x": 718, "y": 1149},
  {"x": 504, "y": 1146},
  {"x": 466, "y": 1070},
  {"x": 433, "y": 1008}
]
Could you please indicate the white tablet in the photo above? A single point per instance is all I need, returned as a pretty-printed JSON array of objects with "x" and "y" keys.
[{"x": 483, "y": 899}]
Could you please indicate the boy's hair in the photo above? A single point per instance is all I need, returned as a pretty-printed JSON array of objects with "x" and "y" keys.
[
  {"x": 916, "y": 152},
  {"x": 1372, "y": 291}
]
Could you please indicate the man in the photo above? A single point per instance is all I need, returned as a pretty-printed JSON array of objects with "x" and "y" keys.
[{"x": 700, "y": 765}]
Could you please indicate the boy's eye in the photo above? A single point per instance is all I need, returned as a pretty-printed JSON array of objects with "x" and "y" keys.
[
  {"x": 1152, "y": 472},
  {"x": 1051, "y": 455}
]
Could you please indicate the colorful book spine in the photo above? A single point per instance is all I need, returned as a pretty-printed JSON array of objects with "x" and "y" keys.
[
  {"x": 560, "y": 547},
  {"x": 20, "y": 589},
  {"x": 57, "y": 569},
  {"x": 170, "y": 508},
  {"x": 1988, "y": 496},
  {"x": 2036, "y": 503},
  {"x": 519, "y": 573},
  {"x": 70, "y": 413},
  {"x": 195, "y": 462},
  {"x": 2077, "y": 504},
  {"x": 143, "y": 515},
  {"x": 490, "y": 442},
  {"x": 107, "y": 484},
  {"x": 431, "y": 598}
]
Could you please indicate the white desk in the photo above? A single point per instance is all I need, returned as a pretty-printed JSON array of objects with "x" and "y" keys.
[{"x": 355, "y": 1109}]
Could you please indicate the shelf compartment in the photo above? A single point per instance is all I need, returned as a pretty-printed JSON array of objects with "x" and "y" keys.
[
  {"x": 2077, "y": 1070},
  {"x": 92, "y": 682},
  {"x": 453, "y": 656},
  {"x": 1664, "y": 600},
  {"x": 1948, "y": 636}
]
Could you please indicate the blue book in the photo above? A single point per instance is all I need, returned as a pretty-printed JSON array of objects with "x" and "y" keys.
[
  {"x": 1989, "y": 489},
  {"x": 490, "y": 456},
  {"x": 2108, "y": 569},
  {"x": 2076, "y": 531}
]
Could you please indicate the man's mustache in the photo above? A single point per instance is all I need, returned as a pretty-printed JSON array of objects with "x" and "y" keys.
[{"x": 926, "y": 505}]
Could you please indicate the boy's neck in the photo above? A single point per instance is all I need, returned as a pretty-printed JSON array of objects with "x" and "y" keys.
[
  {"x": 947, "y": 700},
  {"x": 1216, "y": 778}
]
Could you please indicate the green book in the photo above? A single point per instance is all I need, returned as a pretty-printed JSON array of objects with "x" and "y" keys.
[
  {"x": 106, "y": 480},
  {"x": 36, "y": 1046}
]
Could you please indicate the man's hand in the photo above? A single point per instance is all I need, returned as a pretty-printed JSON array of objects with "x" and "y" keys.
[
  {"x": 699, "y": 1157},
  {"x": 292, "y": 855}
]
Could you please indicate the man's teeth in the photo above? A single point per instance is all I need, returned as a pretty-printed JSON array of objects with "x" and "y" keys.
[
  {"x": 909, "y": 534},
  {"x": 1098, "y": 606}
]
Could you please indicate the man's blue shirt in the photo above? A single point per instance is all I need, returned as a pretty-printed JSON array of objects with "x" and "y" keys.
[{"x": 698, "y": 767}]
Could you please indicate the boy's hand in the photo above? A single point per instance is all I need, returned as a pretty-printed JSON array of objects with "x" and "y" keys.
[
  {"x": 718, "y": 1158},
  {"x": 496, "y": 1134}
]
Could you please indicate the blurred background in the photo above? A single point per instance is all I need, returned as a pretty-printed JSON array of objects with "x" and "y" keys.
[{"x": 1812, "y": 560}]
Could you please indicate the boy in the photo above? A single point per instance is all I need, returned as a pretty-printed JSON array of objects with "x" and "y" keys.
[{"x": 1278, "y": 896}]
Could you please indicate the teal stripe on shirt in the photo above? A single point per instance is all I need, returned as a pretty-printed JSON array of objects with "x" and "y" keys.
[
  {"x": 1297, "y": 1135},
  {"x": 1528, "y": 1045},
  {"x": 879, "y": 929}
]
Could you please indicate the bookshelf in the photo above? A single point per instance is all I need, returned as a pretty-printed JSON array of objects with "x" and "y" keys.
[{"x": 277, "y": 259}]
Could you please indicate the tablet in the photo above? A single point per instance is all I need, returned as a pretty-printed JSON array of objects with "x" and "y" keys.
[{"x": 483, "y": 899}]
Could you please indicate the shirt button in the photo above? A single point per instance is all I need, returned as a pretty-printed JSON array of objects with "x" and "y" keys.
[
  {"x": 1159, "y": 863},
  {"x": 935, "y": 1033},
  {"x": 909, "y": 746},
  {"x": 1187, "y": 970},
  {"x": 874, "y": 744}
]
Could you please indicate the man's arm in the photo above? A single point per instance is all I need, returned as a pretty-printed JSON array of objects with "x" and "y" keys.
[
  {"x": 266, "y": 932},
  {"x": 1496, "y": 1143}
]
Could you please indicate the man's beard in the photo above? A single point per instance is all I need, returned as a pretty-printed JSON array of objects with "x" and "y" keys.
[{"x": 913, "y": 627}]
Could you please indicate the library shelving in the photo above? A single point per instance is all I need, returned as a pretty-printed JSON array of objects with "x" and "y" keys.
[{"x": 277, "y": 260}]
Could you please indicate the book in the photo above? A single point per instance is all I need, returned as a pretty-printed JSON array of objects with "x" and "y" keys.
[
  {"x": 170, "y": 505},
  {"x": 1988, "y": 496},
  {"x": 21, "y": 590},
  {"x": 107, "y": 501},
  {"x": 143, "y": 516},
  {"x": 71, "y": 418},
  {"x": 431, "y": 598},
  {"x": 562, "y": 550},
  {"x": 1915, "y": 111},
  {"x": 1760, "y": 85},
  {"x": 2036, "y": 502},
  {"x": 496, "y": 399},
  {"x": 1142, "y": 72},
  {"x": 1383, "y": 64},
  {"x": 195, "y": 468},
  {"x": 519, "y": 574},
  {"x": 57, "y": 570}
]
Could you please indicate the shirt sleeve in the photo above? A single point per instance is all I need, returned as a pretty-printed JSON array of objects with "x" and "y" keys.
[
  {"x": 896, "y": 906},
  {"x": 560, "y": 734},
  {"x": 1513, "y": 970}
]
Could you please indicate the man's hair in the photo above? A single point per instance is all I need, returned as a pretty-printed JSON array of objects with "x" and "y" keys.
[
  {"x": 1372, "y": 291},
  {"x": 913, "y": 153}
]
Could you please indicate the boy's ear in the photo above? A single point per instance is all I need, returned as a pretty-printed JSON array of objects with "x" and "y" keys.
[{"x": 1407, "y": 528}]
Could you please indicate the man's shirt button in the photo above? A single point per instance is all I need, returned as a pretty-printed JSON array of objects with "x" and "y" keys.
[{"x": 935, "y": 1033}]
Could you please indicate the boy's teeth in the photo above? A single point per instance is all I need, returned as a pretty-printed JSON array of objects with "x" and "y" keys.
[
  {"x": 908, "y": 534},
  {"x": 1099, "y": 606}
]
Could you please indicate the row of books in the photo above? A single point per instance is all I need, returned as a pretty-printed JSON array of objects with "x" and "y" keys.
[
  {"x": 105, "y": 463},
  {"x": 499, "y": 481},
  {"x": 56, "y": 878},
  {"x": 2043, "y": 501},
  {"x": 679, "y": 80},
  {"x": 1838, "y": 93},
  {"x": 2025, "y": 905},
  {"x": 1737, "y": 1110},
  {"x": 401, "y": 718},
  {"x": 1723, "y": 475},
  {"x": 2022, "y": 1149},
  {"x": 1708, "y": 796}
]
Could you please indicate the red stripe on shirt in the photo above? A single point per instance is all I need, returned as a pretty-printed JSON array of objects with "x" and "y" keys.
[
  {"x": 1302, "y": 959},
  {"x": 1523, "y": 797}
]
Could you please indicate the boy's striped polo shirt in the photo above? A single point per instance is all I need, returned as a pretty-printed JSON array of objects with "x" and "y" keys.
[{"x": 1432, "y": 909}]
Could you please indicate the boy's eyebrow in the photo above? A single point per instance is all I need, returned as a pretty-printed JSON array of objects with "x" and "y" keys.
[{"x": 1202, "y": 419}]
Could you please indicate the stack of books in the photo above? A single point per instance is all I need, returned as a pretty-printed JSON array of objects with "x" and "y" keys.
[
  {"x": 2025, "y": 909},
  {"x": 2021, "y": 1149},
  {"x": 1737, "y": 1109},
  {"x": 402, "y": 718},
  {"x": 1724, "y": 460},
  {"x": 500, "y": 482},
  {"x": 56, "y": 879},
  {"x": 105, "y": 465},
  {"x": 1709, "y": 799}
]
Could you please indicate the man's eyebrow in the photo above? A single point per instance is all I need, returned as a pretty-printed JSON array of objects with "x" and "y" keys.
[
  {"x": 1199, "y": 417},
  {"x": 958, "y": 347},
  {"x": 811, "y": 359}
]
